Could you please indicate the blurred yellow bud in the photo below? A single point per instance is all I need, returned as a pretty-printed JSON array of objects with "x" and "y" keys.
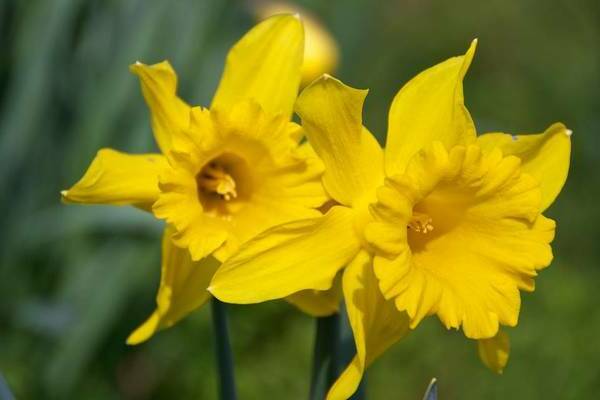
[{"x": 321, "y": 52}]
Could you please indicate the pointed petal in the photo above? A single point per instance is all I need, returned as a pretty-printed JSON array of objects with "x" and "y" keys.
[
  {"x": 430, "y": 107},
  {"x": 376, "y": 323},
  {"x": 545, "y": 156},
  {"x": 264, "y": 66},
  {"x": 331, "y": 115},
  {"x": 118, "y": 178},
  {"x": 170, "y": 114},
  {"x": 288, "y": 258},
  {"x": 182, "y": 288},
  {"x": 494, "y": 352}
]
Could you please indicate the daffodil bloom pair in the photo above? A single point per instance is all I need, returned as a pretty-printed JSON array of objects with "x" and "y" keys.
[
  {"x": 440, "y": 223},
  {"x": 224, "y": 174}
]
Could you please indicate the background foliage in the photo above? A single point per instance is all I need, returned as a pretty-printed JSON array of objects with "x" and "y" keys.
[{"x": 74, "y": 281}]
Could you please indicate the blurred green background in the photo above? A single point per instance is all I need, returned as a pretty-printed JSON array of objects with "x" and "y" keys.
[{"x": 74, "y": 281}]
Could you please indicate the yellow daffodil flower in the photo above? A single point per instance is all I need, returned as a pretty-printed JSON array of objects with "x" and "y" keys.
[
  {"x": 225, "y": 173},
  {"x": 443, "y": 222},
  {"x": 321, "y": 54}
]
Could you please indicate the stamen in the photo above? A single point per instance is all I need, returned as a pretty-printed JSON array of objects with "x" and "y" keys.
[
  {"x": 421, "y": 223},
  {"x": 214, "y": 179}
]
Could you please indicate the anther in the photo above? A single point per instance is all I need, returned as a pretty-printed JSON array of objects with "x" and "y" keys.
[
  {"x": 214, "y": 179},
  {"x": 421, "y": 223}
]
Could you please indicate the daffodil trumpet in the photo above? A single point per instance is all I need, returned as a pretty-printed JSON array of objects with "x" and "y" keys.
[{"x": 442, "y": 222}]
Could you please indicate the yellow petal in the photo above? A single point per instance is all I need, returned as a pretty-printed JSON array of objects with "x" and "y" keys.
[
  {"x": 170, "y": 114},
  {"x": 545, "y": 156},
  {"x": 262, "y": 214},
  {"x": 264, "y": 66},
  {"x": 430, "y": 107},
  {"x": 376, "y": 323},
  {"x": 288, "y": 258},
  {"x": 331, "y": 115},
  {"x": 182, "y": 290},
  {"x": 318, "y": 303},
  {"x": 119, "y": 179},
  {"x": 320, "y": 51},
  {"x": 201, "y": 235},
  {"x": 494, "y": 352}
]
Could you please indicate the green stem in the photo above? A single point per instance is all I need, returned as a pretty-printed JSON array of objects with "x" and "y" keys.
[
  {"x": 223, "y": 348},
  {"x": 323, "y": 368}
]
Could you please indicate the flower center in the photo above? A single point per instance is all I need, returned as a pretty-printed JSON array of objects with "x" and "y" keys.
[
  {"x": 447, "y": 205},
  {"x": 421, "y": 222},
  {"x": 214, "y": 179},
  {"x": 224, "y": 184}
]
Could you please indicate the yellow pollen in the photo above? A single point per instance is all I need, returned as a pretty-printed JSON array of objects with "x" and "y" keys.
[
  {"x": 420, "y": 222},
  {"x": 214, "y": 179}
]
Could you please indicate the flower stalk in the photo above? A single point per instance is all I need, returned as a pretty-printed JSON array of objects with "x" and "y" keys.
[
  {"x": 324, "y": 370},
  {"x": 223, "y": 351}
]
